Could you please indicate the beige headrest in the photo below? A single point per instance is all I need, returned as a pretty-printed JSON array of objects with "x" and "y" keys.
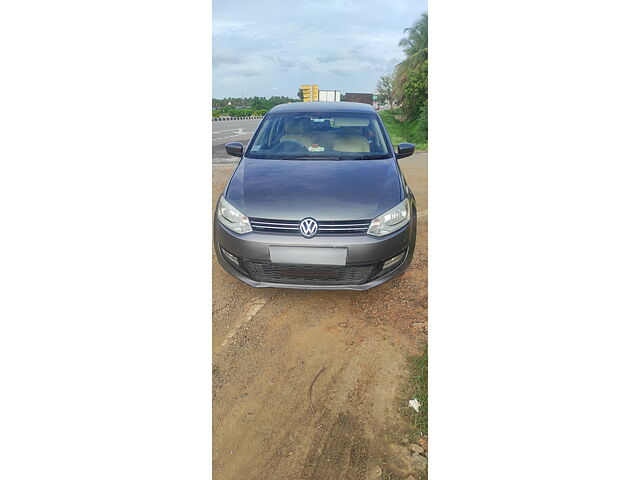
[{"x": 352, "y": 144}]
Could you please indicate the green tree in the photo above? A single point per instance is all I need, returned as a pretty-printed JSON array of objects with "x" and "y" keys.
[
  {"x": 385, "y": 90},
  {"x": 301, "y": 95},
  {"x": 410, "y": 85},
  {"x": 226, "y": 105},
  {"x": 414, "y": 89},
  {"x": 259, "y": 103}
]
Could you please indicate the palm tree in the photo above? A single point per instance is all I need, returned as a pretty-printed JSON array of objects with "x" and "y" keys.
[
  {"x": 415, "y": 43},
  {"x": 415, "y": 47}
]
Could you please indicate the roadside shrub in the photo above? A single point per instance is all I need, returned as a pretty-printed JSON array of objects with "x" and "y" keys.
[
  {"x": 412, "y": 131},
  {"x": 419, "y": 127},
  {"x": 237, "y": 112}
]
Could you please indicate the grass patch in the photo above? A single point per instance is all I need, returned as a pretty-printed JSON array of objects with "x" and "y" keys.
[
  {"x": 418, "y": 387},
  {"x": 408, "y": 131}
]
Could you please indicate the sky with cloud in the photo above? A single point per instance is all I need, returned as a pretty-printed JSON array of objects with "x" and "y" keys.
[{"x": 271, "y": 47}]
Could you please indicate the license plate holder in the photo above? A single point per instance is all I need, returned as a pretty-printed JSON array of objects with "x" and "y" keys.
[{"x": 308, "y": 255}]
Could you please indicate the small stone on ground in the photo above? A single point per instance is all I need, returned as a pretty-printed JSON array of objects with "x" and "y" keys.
[
  {"x": 375, "y": 473},
  {"x": 416, "y": 448},
  {"x": 418, "y": 462}
]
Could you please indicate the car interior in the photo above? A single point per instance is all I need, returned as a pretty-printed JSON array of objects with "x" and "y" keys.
[
  {"x": 308, "y": 133},
  {"x": 345, "y": 135}
]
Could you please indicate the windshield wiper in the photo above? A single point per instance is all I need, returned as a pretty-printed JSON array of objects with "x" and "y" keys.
[
  {"x": 308, "y": 157},
  {"x": 370, "y": 157}
]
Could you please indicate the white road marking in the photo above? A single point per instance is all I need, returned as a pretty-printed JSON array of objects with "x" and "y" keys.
[
  {"x": 228, "y": 130},
  {"x": 231, "y": 136},
  {"x": 230, "y": 124},
  {"x": 423, "y": 213},
  {"x": 236, "y": 132}
]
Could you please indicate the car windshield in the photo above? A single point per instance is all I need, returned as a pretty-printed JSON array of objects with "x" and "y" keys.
[{"x": 324, "y": 135}]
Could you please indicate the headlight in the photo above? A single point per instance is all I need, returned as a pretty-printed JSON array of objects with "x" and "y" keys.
[
  {"x": 233, "y": 218},
  {"x": 391, "y": 220}
]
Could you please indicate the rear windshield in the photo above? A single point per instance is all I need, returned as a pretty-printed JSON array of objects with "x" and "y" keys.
[{"x": 339, "y": 136}]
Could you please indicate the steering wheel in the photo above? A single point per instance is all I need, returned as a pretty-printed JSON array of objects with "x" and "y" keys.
[{"x": 290, "y": 145}]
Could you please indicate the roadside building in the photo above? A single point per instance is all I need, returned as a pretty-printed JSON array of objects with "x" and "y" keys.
[{"x": 359, "y": 98}]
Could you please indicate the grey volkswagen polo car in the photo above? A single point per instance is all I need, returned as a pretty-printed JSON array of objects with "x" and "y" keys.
[{"x": 317, "y": 201}]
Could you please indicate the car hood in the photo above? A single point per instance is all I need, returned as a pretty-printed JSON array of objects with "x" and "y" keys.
[{"x": 322, "y": 189}]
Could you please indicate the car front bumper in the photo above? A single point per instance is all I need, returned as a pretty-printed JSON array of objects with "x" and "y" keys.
[{"x": 364, "y": 262}]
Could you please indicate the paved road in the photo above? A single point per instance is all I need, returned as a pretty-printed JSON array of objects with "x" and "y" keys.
[
  {"x": 231, "y": 131},
  {"x": 270, "y": 344}
]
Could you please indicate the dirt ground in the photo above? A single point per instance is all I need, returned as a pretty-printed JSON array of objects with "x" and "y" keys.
[{"x": 270, "y": 344}]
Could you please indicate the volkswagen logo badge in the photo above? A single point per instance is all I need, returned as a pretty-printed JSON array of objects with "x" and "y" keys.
[{"x": 308, "y": 227}]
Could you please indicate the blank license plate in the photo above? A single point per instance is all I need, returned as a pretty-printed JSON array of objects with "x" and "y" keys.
[{"x": 308, "y": 255}]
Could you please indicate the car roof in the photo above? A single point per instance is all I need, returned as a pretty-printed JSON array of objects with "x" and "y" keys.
[{"x": 322, "y": 107}]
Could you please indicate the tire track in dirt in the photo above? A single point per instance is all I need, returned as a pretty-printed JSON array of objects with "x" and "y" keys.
[
  {"x": 341, "y": 451},
  {"x": 355, "y": 390}
]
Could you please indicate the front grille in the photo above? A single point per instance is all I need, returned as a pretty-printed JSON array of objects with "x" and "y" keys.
[
  {"x": 309, "y": 274},
  {"x": 343, "y": 227},
  {"x": 339, "y": 227},
  {"x": 274, "y": 226}
]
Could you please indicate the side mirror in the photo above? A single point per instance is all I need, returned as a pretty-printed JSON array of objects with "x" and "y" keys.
[
  {"x": 405, "y": 150},
  {"x": 235, "y": 149}
]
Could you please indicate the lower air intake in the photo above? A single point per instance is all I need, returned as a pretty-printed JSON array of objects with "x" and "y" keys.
[{"x": 309, "y": 274}]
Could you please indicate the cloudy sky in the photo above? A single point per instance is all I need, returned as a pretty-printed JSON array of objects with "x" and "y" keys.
[{"x": 271, "y": 47}]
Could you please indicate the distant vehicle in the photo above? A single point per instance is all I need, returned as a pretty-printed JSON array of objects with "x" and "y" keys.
[
  {"x": 359, "y": 98},
  {"x": 317, "y": 201}
]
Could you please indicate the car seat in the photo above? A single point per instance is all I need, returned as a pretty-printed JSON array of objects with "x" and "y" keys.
[
  {"x": 298, "y": 130},
  {"x": 351, "y": 140}
]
